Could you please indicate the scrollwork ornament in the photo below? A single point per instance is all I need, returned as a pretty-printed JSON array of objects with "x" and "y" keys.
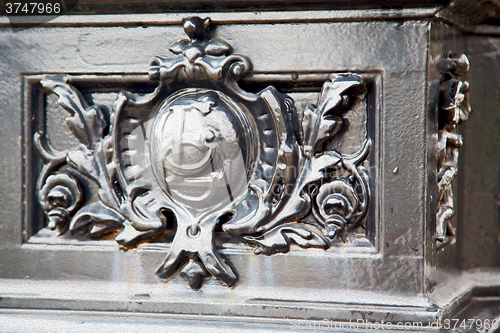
[{"x": 200, "y": 154}]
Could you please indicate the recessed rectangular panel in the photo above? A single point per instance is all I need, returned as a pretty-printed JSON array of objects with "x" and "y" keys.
[{"x": 359, "y": 123}]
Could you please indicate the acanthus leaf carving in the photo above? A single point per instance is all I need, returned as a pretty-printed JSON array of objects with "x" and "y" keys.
[
  {"x": 319, "y": 125},
  {"x": 96, "y": 219},
  {"x": 199, "y": 154}
]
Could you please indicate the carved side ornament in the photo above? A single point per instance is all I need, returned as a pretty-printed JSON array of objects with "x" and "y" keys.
[
  {"x": 200, "y": 155},
  {"x": 454, "y": 109}
]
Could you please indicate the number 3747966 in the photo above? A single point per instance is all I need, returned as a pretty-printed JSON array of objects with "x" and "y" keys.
[
  {"x": 470, "y": 324},
  {"x": 33, "y": 8}
]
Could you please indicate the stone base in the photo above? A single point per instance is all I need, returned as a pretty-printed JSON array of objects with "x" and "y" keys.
[{"x": 471, "y": 298}]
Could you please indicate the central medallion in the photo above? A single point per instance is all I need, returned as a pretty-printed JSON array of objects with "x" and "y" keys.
[{"x": 198, "y": 149}]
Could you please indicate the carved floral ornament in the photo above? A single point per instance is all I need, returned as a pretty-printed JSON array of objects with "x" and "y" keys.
[{"x": 200, "y": 154}]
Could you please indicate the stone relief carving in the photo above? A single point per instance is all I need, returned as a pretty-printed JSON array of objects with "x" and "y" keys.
[
  {"x": 200, "y": 154},
  {"x": 454, "y": 109}
]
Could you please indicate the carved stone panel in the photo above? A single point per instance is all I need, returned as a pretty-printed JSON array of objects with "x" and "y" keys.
[
  {"x": 196, "y": 160},
  {"x": 276, "y": 168}
]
